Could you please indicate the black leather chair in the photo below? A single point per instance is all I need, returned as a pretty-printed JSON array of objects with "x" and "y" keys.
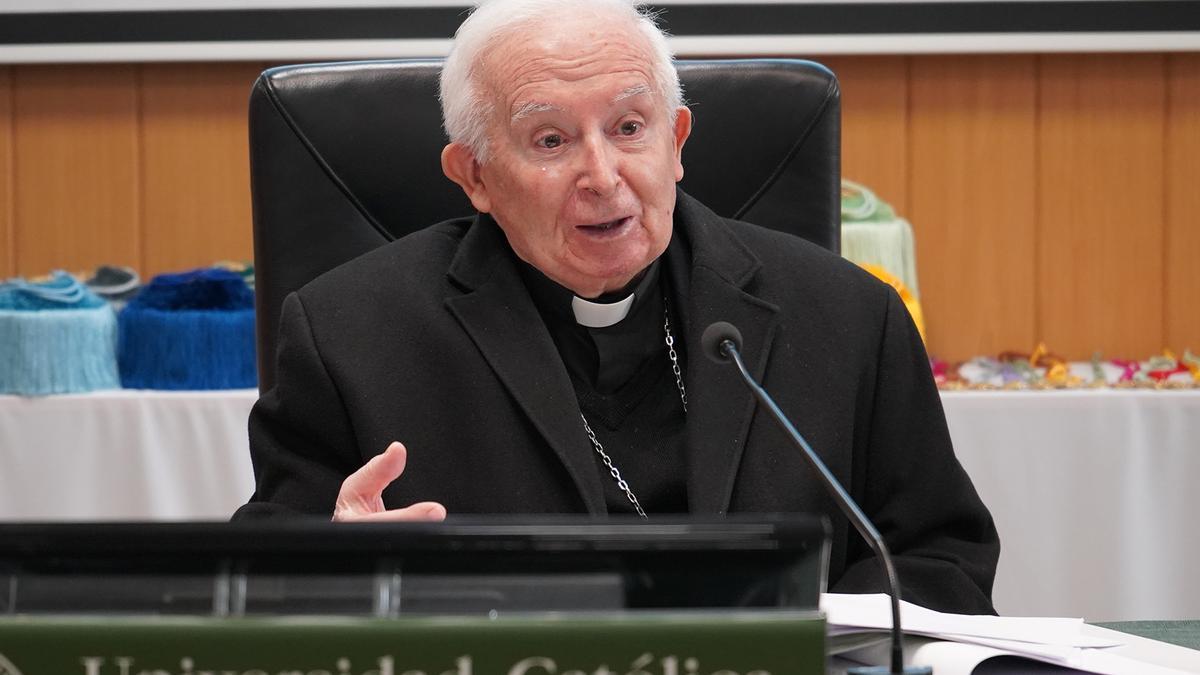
[{"x": 345, "y": 157}]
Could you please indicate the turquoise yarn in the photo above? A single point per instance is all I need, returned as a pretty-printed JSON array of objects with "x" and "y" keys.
[
  {"x": 61, "y": 291},
  {"x": 56, "y": 337},
  {"x": 193, "y": 330}
]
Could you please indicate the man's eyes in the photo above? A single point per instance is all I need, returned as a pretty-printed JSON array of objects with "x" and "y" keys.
[{"x": 552, "y": 141}]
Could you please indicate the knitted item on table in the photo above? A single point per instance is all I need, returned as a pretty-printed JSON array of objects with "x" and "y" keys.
[
  {"x": 193, "y": 330},
  {"x": 873, "y": 234},
  {"x": 115, "y": 284},
  {"x": 860, "y": 205},
  {"x": 56, "y": 337}
]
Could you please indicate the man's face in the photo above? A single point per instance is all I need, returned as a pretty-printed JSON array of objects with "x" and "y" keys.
[{"x": 583, "y": 154}]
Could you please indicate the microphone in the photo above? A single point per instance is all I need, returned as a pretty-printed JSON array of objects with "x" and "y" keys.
[{"x": 722, "y": 342}]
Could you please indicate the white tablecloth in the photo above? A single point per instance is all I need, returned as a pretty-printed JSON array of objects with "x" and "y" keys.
[
  {"x": 125, "y": 455},
  {"x": 1095, "y": 496},
  {"x": 1094, "y": 492}
]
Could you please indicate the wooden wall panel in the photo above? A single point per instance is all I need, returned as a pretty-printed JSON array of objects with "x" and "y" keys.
[
  {"x": 1183, "y": 203},
  {"x": 1100, "y": 243},
  {"x": 76, "y": 167},
  {"x": 875, "y": 123},
  {"x": 972, "y": 147},
  {"x": 1053, "y": 197},
  {"x": 7, "y": 252},
  {"x": 196, "y": 186}
]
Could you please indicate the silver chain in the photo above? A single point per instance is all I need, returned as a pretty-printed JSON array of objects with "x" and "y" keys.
[
  {"x": 674, "y": 357},
  {"x": 612, "y": 468}
]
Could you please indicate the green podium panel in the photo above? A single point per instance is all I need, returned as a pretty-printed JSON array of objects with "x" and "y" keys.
[{"x": 717, "y": 643}]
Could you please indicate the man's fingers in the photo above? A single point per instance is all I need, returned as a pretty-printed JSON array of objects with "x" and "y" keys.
[
  {"x": 366, "y": 484},
  {"x": 360, "y": 499},
  {"x": 422, "y": 511}
]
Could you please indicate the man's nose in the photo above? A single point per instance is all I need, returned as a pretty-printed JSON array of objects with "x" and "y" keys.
[{"x": 598, "y": 170}]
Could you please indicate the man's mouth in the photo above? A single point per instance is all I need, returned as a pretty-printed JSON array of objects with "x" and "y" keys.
[{"x": 607, "y": 226}]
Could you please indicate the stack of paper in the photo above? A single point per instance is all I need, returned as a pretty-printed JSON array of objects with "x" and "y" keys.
[{"x": 958, "y": 643}]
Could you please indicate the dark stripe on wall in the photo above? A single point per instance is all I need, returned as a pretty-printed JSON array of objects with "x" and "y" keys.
[
  {"x": 934, "y": 17},
  {"x": 681, "y": 20},
  {"x": 232, "y": 25}
]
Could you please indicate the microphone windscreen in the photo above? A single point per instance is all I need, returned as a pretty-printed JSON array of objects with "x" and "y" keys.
[{"x": 714, "y": 335}]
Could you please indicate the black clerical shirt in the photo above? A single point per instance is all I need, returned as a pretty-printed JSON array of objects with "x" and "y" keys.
[{"x": 625, "y": 387}]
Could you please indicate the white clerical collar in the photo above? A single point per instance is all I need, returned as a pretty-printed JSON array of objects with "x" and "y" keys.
[{"x": 600, "y": 315}]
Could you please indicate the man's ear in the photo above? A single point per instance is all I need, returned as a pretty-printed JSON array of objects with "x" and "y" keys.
[
  {"x": 459, "y": 165},
  {"x": 683, "y": 129}
]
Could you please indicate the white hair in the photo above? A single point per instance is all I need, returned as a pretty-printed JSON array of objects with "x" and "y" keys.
[{"x": 465, "y": 112}]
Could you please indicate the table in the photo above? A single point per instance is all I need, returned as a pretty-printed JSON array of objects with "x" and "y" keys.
[
  {"x": 1180, "y": 633},
  {"x": 1093, "y": 491},
  {"x": 125, "y": 455},
  {"x": 1094, "y": 494}
]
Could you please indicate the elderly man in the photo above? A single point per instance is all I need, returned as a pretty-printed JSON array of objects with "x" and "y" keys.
[{"x": 542, "y": 357}]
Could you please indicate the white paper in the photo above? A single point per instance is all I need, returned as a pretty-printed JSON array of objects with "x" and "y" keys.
[
  {"x": 874, "y": 611},
  {"x": 957, "y": 644}
]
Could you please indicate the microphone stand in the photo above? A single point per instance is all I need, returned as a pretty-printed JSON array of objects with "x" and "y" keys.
[{"x": 728, "y": 349}]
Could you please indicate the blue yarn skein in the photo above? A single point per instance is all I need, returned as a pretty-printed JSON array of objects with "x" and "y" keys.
[
  {"x": 56, "y": 337},
  {"x": 192, "y": 330}
]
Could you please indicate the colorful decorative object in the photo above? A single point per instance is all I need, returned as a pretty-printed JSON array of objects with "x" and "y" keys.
[
  {"x": 193, "y": 330},
  {"x": 1041, "y": 369},
  {"x": 56, "y": 337}
]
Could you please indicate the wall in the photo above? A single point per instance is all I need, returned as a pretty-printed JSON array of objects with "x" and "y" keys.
[
  {"x": 1054, "y": 197},
  {"x": 141, "y": 165}
]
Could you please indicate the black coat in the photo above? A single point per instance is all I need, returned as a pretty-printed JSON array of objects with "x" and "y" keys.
[{"x": 433, "y": 340}]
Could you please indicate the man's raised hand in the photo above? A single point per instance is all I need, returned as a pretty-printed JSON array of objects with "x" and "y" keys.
[{"x": 361, "y": 496}]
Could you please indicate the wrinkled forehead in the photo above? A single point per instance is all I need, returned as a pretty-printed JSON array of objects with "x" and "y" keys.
[
  {"x": 541, "y": 54},
  {"x": 525, "y": 106}
]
